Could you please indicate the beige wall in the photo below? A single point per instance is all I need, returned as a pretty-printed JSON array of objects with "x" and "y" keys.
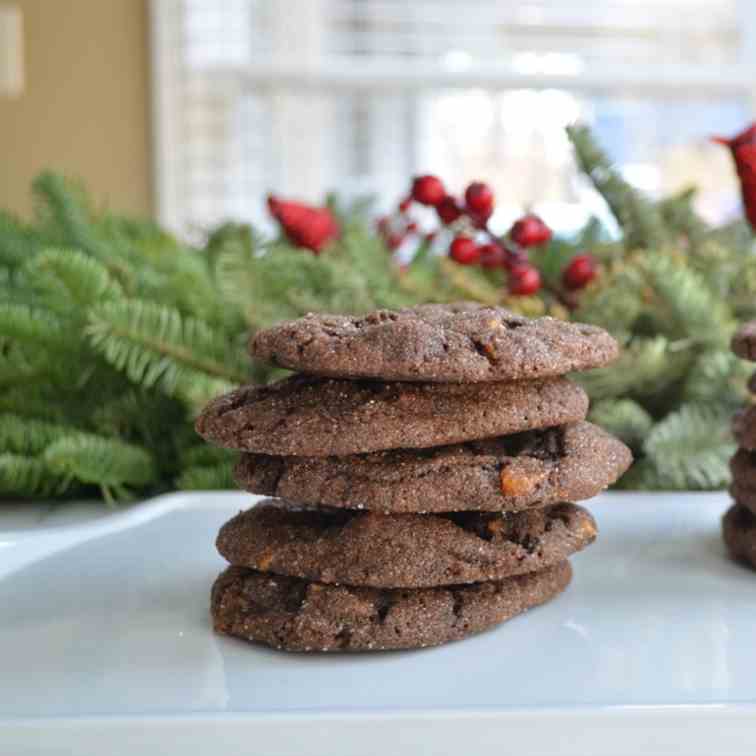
[{"x": 85, "y": 107}]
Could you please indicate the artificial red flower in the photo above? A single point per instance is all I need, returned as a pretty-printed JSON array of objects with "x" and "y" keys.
[
  {"x": 304, "y": 225},
  {"x": 743, "y": 148}
]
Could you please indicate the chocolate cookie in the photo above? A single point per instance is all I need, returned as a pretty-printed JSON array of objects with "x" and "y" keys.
[
  {"x": 739, "y": 531},
  {"x": 457, "y": 343},
  {"x": 752, "y": 384},
  {"x": 744, "y": 341},
  {"x": 744, "y": 494},
  {"x": 743, "y": 468},
  {"x": 296, "y": 615},
  {"x": 307, "y": 416},
  {"x": 511, "y": 473},
  {"x": 402, "y": 550},
  {"x": 744, "y": 427}
]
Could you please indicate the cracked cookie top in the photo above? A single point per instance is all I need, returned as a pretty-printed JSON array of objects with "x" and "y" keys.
[{"x": 454, "y": 343}]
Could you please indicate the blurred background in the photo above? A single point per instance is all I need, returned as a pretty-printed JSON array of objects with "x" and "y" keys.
[{"x": 192, "y": 110}]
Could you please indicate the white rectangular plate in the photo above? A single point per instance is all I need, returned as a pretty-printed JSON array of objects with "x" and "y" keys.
[{"x": 106, "y": 648}]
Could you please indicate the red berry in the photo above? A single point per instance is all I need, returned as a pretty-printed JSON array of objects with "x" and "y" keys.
[
  {"x": 464, "y": 250},
  {"x": 580, "y": 271},
  {"x": 524, "y": 280},
  {"x": 492, "y": 256},
  {"x": 404, "y": 205},
  {"x": 479, "y": 199},
  {"x": 411, "y": 227},
  {"x": 530, "y": 231},
  {"x": 516, "y": 257},
  {"x": 394, "y": 241},
  {"x": 478, "y": 220},
  {"x": 428, "y": 190},
  {"x": 448, "y": 210}
]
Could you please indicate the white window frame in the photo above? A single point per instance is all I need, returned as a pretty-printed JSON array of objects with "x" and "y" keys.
[{"x": 311, "y": 73}]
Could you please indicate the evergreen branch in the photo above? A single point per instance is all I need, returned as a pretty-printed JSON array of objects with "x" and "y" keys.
[
  {"x": 204, "y": 455},
  {"x": 22, "y": 401},
  {"x": 717, "y": 376},
  {"x": 644, "y": 476},
  {"x": 282, "y": 283},
  {"x": 646, "y": 367},
  {"x": 18, "y": 242},
  {"x": 640, "y": 220},
  {"x": 680, "y": 217},
  {"x": 16, "y": 369},
  {"x": 623, "y": 418},
  {"x": 467, "y": 286},
  {"x": 27, "y": 476},
  {"x": 156, "y": 345},
  {"x": 619, "y": 303},
  {"x": 63, "y": 207},
  {"x": 206, "y": 478},
  {"x": 23, "y": 435},
  {"x": 37, "y": 327},
  {"x": 691, "y": 447},
  {"x": 70, "y": 280},
  {"x": 112, "y": 465},
  {"x": 64, "y": 210},
  {"x": 687, "y": 308}
]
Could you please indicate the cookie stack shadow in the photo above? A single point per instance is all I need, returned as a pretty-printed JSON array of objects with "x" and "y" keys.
[
  {"x": 424, "y": 463},
  {"x": 739, "y": 522}
]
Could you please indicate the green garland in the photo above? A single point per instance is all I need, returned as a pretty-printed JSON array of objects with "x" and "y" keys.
[{"x": 113, "y": 334}]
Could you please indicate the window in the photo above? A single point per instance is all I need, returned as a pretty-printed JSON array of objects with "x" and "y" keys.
[{"x": 305, "y": 96}]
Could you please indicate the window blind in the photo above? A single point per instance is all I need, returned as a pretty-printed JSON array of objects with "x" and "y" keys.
[{"x": 308, "y": 96}]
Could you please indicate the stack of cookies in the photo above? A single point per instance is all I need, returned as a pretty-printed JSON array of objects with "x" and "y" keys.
[
  {"x": 423, "y": 463},
  {"x": 739, "y": 522}
]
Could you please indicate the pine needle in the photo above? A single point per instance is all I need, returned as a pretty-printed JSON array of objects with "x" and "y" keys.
[
  {"x": 206, "y": 477},
  {"x": 623, "y": 418},
  {"x": 646, "y": 367},
  {"x": 105, "y": 462},
  {"x": 69, "y": 280},
  {"x": 156, "y": 345},
  {"x": 691, "y": 447},
  {"x": 27, "y": 476}
]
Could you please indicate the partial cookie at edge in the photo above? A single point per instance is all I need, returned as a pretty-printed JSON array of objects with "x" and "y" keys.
[
  {"x": 739, "y": 532},
  {"x": 744, "y": 427},
  {"x": 744, "y": 341}
]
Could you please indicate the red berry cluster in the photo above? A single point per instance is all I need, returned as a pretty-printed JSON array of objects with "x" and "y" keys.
[{"x": 474, "y": 244}]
